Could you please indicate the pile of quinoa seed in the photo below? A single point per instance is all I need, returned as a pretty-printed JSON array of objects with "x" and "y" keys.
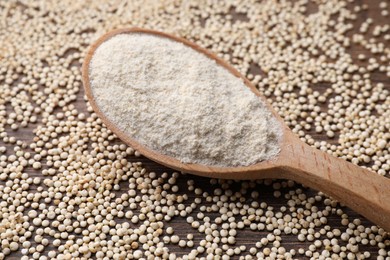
[{"x": 69, "y": 189}]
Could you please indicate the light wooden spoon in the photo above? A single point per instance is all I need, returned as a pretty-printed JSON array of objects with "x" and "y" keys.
[{"x": 364, "y": 191}]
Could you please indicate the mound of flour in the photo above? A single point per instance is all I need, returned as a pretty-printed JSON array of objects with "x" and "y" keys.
[{"x": 177, "y": 101}]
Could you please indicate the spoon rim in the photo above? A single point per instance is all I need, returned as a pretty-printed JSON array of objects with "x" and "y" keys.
[{"x": 171, "y": 162}]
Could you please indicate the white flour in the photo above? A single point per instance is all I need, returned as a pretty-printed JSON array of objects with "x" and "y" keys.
[{"x": 180, "y": 103}]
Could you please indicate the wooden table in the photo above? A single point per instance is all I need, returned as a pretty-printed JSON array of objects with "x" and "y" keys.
[{"x": 247, "y": 237}]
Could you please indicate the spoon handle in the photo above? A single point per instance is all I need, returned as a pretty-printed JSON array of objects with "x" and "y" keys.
[{"x": 360, "y": 189}]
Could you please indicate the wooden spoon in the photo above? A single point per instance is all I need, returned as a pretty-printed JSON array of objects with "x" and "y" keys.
[{"x": 363, "y": 191}]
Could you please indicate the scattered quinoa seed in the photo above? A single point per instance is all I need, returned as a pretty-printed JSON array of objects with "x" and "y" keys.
[{"x": 70, "y": 189}]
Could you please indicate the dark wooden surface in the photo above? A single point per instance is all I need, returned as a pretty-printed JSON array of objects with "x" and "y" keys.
[{"x": 247, "y": 237}]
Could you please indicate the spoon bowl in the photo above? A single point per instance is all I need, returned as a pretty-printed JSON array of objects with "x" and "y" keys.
[{"x": 365, "y": 192}]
